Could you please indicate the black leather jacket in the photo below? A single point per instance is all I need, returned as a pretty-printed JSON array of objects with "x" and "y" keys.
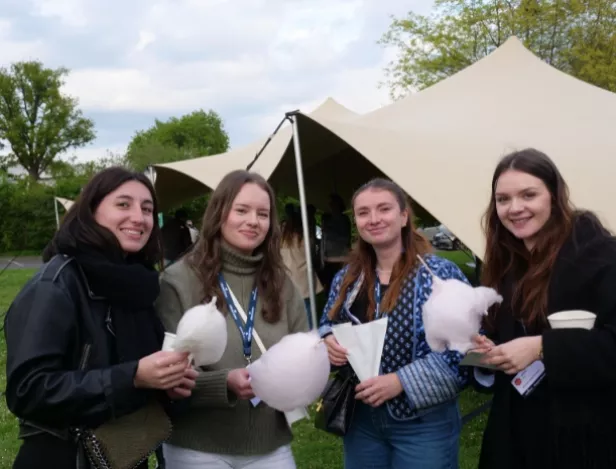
[{"x": 61, "y": 368}]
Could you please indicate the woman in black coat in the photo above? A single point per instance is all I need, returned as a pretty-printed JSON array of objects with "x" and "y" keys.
[
  {"x": 545, "y": 257},
  {"x": 83, "y": 340}
]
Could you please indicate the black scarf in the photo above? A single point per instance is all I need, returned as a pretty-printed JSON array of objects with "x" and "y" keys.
[{"x": 131, "y": 289}]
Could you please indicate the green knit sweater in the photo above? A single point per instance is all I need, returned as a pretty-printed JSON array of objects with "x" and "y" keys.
[{"x": 216, "y": 421}]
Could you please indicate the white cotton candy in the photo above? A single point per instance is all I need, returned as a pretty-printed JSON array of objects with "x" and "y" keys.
[
  {"x": 452, "y": 314},
  {"x": 202, "y": 331},
  {"x": 292, "y": 373}
]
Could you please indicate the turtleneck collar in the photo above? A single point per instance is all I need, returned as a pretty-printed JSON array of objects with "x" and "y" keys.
[{"x": 238, "y": 263}]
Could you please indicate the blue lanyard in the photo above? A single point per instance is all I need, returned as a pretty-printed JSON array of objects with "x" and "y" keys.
[
  {"x": 245, "y": 330},
  {"x": 377, "y": 297}
]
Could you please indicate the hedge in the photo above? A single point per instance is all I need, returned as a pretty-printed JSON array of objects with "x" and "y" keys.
[{"x": 28, "y": 217}]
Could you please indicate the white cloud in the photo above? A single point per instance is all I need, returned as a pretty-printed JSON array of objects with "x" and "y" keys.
[
  {"x": 95, "y": 152},
  {"x": 250, "y": 60},
  {"x": 145, "y": 39},
  {"x": 12, "y": 50},
  {"x": 70, "y": 12}
]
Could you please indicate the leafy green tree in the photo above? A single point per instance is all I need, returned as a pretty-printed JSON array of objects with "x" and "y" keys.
[
  {"x": 36, "y": 119},
  {"x": 196, "y": 134},
  {"x": 576, "y": 36}
]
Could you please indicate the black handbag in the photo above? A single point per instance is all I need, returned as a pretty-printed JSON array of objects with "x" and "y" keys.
[{"x": 336, "y": 406}]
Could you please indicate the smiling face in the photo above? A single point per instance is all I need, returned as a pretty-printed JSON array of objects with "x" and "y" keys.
[
  {"x": 248, "y": 221},
  {"x": 378, "y": 217},
  {"x": 523, "y": 204},
  {"x": 128, "y": 213}
]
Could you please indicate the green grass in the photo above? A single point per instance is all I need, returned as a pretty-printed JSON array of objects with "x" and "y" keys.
[
  {"x": 26, "y": 253},
  {"x": 313, "y": 449},
  {"x": 11, "y": 282},
  {"x": 460, "y": 258}
]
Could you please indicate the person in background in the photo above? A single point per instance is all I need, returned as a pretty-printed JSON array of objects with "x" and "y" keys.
[
  {"x": 336, "y": 239},
  {"x": 407, "y": 416},
  {"x": 83, "y": 340},
  {"x": 176, "y": 237},
  {"x": 544, "y": 256},
  {"x": 237, "y": 255},
  {"x": 194, "y": 232},
  {"x": 293, "y": 251}
]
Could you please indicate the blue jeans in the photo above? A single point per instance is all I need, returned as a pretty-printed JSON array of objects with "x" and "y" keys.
[{"x": 376, "y": 441}]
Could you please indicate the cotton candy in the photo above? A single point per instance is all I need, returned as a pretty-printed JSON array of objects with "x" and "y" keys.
[
  {"x": 453, "y": 312},
  {"x": 202, "y": 331},
  {"x": 292, "y": 373}
]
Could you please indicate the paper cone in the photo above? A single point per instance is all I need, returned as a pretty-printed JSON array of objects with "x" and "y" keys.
[{"x": 364, "y": 344}]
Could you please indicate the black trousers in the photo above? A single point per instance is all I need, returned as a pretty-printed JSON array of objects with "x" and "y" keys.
[{"x": 44, "y": 451}]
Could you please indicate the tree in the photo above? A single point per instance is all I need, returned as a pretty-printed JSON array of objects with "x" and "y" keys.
[
  {"x": 576, "y": 36},
  {"x": 196, "y": 134},
  {"x": 36, "y": 119}
]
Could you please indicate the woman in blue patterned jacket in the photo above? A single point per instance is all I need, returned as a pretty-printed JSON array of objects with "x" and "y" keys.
[{"x": 407, "y": 416}]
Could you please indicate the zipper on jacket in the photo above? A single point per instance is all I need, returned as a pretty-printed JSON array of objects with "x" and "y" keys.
[{"x": 85, "y": 356}]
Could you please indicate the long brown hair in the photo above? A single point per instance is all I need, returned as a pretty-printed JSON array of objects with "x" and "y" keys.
[
  {"x": 79, "y": 227},
  {"x": 507, "y": 257},
  {"x": 362, "y": 257},
  {"x": 206, "y": 259},
  {"x": 292, "y": 227}
]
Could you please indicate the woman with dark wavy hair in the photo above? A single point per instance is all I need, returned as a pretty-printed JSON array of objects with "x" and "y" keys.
[
  {"x": 237, "y": 260},
  {"x": 83, "y": 339},
  {"x": 545, "y": 257}
]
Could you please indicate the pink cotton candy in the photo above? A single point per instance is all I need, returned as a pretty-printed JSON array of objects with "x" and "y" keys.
[
  {"x": 292, "y": 373},
  {"x": 452, "y": 314}
]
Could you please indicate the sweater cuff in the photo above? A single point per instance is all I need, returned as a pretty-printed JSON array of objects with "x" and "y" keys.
[
  {"x": 211, "y": 390},
  {"x": 325, "y": 330}
]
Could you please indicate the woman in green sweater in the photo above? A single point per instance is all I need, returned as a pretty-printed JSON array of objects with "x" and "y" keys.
[{"x": 238, "y": 250}]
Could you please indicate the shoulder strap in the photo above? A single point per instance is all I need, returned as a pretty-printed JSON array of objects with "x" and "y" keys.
[{"x": 255, "y": 335}]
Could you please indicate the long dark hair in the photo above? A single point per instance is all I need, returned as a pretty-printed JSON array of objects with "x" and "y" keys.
[
  {"x": 507, "y": 257},
  {"x": 291, "y": 226},
  {"x": 205, "y": 257},
  {"x": 362, "y": 257},
  {"x": 79, "y": 227}
]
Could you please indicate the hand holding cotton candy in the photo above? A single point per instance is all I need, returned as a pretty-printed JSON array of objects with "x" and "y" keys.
[
  {"x": 452, "y": 314},
  {"x": 292, "y": 373},
  {"x": 202, "y": 331}
]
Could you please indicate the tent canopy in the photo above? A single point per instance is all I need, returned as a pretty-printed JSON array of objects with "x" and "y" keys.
[
  {"x": 442, "y": 144},
  {"x": 183, "y": 180}
]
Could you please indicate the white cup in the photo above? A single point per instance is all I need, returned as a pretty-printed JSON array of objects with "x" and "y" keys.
[
  {"x": 572, "y": 319},
  {"x": 168, "y": 342}
]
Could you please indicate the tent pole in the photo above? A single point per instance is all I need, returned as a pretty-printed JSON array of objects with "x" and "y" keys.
[
  {"x": 269, "y": 139},
  {"x": 304, "y": 211},
  {"x": 55, "y": 204}
]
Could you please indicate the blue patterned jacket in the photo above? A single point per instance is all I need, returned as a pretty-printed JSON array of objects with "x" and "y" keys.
[{"x": 428, "y": 378}]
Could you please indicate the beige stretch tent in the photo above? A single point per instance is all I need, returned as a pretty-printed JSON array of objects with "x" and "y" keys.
[
  {"x": 442, "y": 144},
  {"x": 180, "y": 181}
]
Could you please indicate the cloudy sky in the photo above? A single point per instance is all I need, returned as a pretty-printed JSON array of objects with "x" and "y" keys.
[{"x": 132, "y": 61}]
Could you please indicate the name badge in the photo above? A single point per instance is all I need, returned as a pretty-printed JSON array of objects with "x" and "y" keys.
[{"x": 529, "y": 378}]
